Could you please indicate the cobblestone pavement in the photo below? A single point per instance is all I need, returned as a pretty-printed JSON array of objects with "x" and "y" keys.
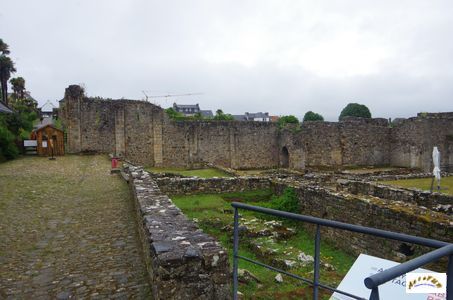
[{"x": 67, "y": 230}]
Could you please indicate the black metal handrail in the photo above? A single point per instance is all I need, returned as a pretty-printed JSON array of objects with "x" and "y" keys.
[{"x": 373, "y": 282}]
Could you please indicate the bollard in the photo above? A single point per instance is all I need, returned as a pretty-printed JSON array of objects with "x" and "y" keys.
[
  {"x": 115, "y": 168},
  {"x": 114, "y": 163}
]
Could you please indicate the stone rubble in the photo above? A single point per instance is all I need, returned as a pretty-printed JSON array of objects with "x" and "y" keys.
[{"x": 279, "y": 278}]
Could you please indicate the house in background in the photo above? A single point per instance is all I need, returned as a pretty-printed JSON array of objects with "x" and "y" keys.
[
  {"x": 48, "y": 110},
  {"x": 274, "y": 118},
  {"x": 259, "y": 117},
  {"x": 191, "y": 109}
]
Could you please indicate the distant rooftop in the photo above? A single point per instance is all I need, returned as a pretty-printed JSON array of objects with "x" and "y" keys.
[
  {"x": 207, "y": 113},
  {"x": 259, "y": 116},
  {"x": 193, "y": 106},
  {"x": 5, "y": 109}
]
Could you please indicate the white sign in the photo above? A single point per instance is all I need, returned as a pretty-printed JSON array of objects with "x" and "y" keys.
[
  {"x": 367, "y": 265},
  {"x": 44, "y": 144},
  {"x": 30, "y": 143}
]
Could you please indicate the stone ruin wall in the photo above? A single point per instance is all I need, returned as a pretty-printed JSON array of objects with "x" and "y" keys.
[
  {"x": 413, "y": 140},
  {"x": 433, "y": 201},
  {"x": 238, "y": 145},
  {"x": 124, "y": 127},
  {"x": 182, "y": 261},
  {"x": 144, "y": 134},
  {"x": 354, "y": 141},
  {"x": 377, "y": 213},
  {"x": 395, "y": 210},
  {"x": 191, "y": 185}
]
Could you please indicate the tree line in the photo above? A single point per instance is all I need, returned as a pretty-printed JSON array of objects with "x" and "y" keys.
[{"x": 350, "y": 110}]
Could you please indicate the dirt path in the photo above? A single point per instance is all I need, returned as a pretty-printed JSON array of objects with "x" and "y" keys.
[{"x": 67, "y": 230}]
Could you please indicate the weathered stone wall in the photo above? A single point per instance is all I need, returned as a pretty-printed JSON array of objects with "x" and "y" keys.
[
  {"x": 182, "y": 261},
  {"x": 189, "y": 186},
  {"x": 365, "y": 141},
  {"x": 418, "y": 197},
  {"x": 238, "y": 145},
  {"x": 122, "y": 127},
  {"x": 354, "y": 141},
  {"x": 412, "y": 141},
  {"x": 143, "y": 133},
  {"x": 371, "y": 212}
]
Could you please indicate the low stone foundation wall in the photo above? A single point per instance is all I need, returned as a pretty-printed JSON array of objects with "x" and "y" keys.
[
  {"x": 421, "y": 198},
  {"x": 182, "y": 261},
  {"x": 394, "y": 216},
  {"x": 193, "y": 185}
]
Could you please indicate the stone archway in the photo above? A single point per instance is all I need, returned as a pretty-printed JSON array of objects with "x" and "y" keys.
[{"x": 284, "y": 158}]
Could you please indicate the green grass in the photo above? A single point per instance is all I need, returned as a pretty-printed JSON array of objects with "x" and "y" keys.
[
  {"x": 202, "y": 173},
  {"x": 446, "y": 184},
  {"x": 214, "y": 214}
]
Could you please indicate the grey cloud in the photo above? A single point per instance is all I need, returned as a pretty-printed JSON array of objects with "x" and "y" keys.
[{"x": 119, "y": 48}]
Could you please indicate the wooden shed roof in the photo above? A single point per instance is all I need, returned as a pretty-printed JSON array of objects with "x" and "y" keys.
[{"x": 45, "y": 126}]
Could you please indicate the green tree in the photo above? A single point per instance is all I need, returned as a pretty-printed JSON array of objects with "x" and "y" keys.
[
  {"x": 8, "y": 148},
  {"x": 312, "y": 116},
  {"x": 19, "y": 100},
  {"x": 4, "y": 48},
  {"x": 355, "y": 110},
  {"x": 6, "y": 69},
  {"x": 173, "y": 114},
  {"x": 220, "y": 115},
  {"x": 18, "y": 86},
  {"x": 284, "y": 120},
  {"x": 198, "y": 116}
]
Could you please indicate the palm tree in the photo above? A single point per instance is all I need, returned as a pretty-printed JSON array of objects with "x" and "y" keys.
[
  {"x": 4, "y": 48},
  {"x": 6, "y": 68},
  {"x": 18, "y": 85}
]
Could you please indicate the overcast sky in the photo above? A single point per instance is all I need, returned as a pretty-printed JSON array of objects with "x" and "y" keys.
[{"x": 281, "y": 57}]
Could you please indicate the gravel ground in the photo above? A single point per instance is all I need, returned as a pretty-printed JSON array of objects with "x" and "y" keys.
[{"x": 67, "y": 230}]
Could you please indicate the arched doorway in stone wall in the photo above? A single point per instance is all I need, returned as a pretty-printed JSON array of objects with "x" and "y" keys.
[{"x": 284, "y": 158}]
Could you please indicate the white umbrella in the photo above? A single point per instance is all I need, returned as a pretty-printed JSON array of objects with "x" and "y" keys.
[{"x": 436, "y": 170}]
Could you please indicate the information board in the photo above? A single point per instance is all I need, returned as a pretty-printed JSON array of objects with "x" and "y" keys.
[{"x": 30, "y": 143}]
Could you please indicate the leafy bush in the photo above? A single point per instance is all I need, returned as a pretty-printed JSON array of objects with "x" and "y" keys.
[
  {"x": 219, "y": 115},
  {"x": 173, "y": 114},
  {"x": 284, "y": 120},
  {"x": 288, "y": 201},
  {"x": 8, "y": 149},
  {"x": 177, "y": 116},
  {"x": 312, "y": 116},
  {"x": 355, "y": 110}
]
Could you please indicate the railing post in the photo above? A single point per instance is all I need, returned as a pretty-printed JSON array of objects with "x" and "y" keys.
[
  {"x": 235, "y": 253},
  {"x": 450, "y": 278},
  {"x": 316, "y": 262},
  {"x": 374, "y": 293}
]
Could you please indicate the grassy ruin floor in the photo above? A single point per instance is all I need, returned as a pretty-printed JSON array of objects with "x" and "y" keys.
[
  {"x": 446, "y": 184},
  {"x": 276, "y": 242},
  {"x": 202, "y": 173}
]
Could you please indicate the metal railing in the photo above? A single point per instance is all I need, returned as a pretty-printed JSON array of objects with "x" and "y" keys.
[{"x": 372, "y": 282}]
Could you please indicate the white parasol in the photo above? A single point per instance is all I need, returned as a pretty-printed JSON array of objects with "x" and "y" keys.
[{"x": 436, "y": 170}]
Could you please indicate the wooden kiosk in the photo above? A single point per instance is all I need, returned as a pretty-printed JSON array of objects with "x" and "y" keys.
[{"x": 50, "y": 140}]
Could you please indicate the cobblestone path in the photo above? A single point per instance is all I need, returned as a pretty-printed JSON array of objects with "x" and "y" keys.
[{"x": 67, "y": 231}]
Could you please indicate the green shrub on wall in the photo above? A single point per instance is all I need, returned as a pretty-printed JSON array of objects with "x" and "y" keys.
[{"x": 287, "y": 201}]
